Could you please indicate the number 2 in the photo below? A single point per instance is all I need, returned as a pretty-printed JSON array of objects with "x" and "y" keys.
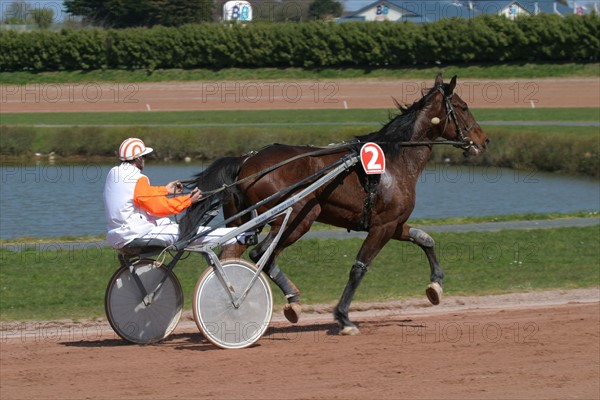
[{"x": 373, "y": 164}]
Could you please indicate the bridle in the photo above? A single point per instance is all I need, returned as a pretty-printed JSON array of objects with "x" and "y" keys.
[{"x": 461, "y": 133}]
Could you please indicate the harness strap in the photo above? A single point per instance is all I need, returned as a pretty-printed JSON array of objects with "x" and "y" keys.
[
  {"x": 464, "y": 141},
  {"x": 371, "y": 184}
]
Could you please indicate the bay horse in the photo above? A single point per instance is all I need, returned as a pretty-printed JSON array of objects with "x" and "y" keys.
[{"x": 378, "y": 204}]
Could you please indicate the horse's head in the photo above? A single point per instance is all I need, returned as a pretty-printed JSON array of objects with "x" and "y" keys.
[{"x": 451, "y": 119}]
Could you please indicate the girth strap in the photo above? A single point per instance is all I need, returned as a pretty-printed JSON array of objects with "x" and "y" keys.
[{"x": 370, "y": 186}]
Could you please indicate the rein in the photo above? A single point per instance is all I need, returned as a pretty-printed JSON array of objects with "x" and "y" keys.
[{"x": 330, "y": 150}]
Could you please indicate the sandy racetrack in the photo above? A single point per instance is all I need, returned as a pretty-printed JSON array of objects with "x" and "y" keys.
[
  {"x": 543, "y": 346},
  {"x": 537, "y": 345}
]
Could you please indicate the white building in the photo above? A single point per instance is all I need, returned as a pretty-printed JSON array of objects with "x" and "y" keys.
[{"x": 434, "y": 10}]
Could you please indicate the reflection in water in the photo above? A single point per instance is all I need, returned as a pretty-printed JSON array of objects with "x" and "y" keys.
[{"x": 52, "y": 200}]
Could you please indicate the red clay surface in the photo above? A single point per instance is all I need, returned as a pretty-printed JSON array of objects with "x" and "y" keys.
[
  {"x": 538, "y": 345},
  {"x": 251, "y": 95}
]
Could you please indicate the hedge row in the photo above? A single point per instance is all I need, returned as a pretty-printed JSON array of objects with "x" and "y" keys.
[{"x": 311, "y": 45}]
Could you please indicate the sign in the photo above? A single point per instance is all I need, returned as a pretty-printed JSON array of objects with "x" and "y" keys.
[
  {"x": 381, "y": 12},
  {"x": 237, "y": 11},
  {"x": 372, "y": 158}
]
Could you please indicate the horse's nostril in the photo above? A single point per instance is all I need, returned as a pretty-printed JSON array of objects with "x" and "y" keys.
[{"x": 487, "y": 141}]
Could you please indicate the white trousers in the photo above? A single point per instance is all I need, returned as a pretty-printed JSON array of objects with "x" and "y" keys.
[{"x": 168, "y": 231}]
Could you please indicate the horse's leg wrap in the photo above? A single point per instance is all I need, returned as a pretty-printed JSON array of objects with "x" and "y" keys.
[
  {"x": 360, "y": 268},
  {"x": 292, "y": 310},
  {"x": 357, "y": 272},
  {"x": 421, "y": 237},
  {"x": 288, "y": 288},
  {"x": 426, "y": 242}
]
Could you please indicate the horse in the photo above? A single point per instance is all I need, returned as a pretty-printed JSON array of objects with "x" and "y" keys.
[{"x": 378, "y": 204}]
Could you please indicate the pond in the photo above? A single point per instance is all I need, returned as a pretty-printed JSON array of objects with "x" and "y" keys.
[{"x": 46, "y": 200}]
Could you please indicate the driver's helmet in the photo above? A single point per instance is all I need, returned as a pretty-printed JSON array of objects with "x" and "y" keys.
[{"x": 133, "y": 148}]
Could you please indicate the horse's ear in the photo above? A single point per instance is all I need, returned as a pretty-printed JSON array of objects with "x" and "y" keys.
[
  {"x": 452, "y": 85},
  {"x": 401, "y": 106},
  {"x": 438, "y": 80}
]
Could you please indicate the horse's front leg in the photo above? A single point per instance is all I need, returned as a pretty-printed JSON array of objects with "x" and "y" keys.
[
  {"x": 374, "y": 242},
  {"x": 426, "y": 242}
]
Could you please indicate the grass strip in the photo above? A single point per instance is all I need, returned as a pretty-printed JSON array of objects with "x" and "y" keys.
[
  {"x": 45, "y": 282},
  {"x": 266, "y": 118},
  {"x": 478, "y": 71}
]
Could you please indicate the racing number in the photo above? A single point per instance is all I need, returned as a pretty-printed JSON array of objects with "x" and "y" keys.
[{"x": 372, "y": 158}]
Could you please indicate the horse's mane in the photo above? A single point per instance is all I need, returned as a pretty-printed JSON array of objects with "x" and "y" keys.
[
  {"x": 221, "y": 172},
  {"x": 400, "y": 127}
]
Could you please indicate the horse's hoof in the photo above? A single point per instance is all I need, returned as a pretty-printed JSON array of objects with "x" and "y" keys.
[
  {"x": 292, "y": 312},
  {"x": 349, "y": 331},
  {"x": 434, "y": 293}
]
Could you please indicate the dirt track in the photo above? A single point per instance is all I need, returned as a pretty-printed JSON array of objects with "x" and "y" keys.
[
  {"x": 538, "y": 345},
  {"x": 253, "y": 95}
]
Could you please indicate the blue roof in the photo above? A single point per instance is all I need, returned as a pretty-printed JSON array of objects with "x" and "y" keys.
[
  {"x": 434, "y": 10},
  {"x": 398, "y": 5},
  {"x": 532, "y": 6}
]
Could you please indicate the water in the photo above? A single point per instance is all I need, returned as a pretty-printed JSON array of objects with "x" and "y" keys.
[{"x": 50, "y": 200}]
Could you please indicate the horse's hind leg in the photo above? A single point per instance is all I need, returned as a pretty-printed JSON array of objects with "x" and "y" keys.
[
  {"x": 302, "y": 218},
  {"x": 292, "y": 309},
  {"x": 426, "y": 242}
]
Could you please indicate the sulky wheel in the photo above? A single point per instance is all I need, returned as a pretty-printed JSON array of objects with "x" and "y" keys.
[
  {"x": 127, "y": 314},
  {"x": 219, "y": 320}
]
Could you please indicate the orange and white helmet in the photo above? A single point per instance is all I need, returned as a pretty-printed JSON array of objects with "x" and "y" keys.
[{"x": 133, "y": 148}]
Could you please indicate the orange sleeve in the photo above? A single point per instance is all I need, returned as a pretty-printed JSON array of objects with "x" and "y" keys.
[{"x": 154, "y": 200}]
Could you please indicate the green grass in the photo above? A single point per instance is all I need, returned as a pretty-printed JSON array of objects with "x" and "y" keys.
[
  {"x": 501, "y": 218},
  {"x": 491, "y": 71},
  {"x": 198, "y": 117},
  {"x": 537, "y": 114},
  {"x": 368, "y": 117},
  {"x": 549, "y": 130},
  {"x": 46, "y": 283}
]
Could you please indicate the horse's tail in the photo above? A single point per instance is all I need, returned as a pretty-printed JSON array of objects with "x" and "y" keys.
[{"x": 217, "y": 178}]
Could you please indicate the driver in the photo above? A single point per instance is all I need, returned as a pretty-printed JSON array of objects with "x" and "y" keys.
[{"x": 135, "y": 209}]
